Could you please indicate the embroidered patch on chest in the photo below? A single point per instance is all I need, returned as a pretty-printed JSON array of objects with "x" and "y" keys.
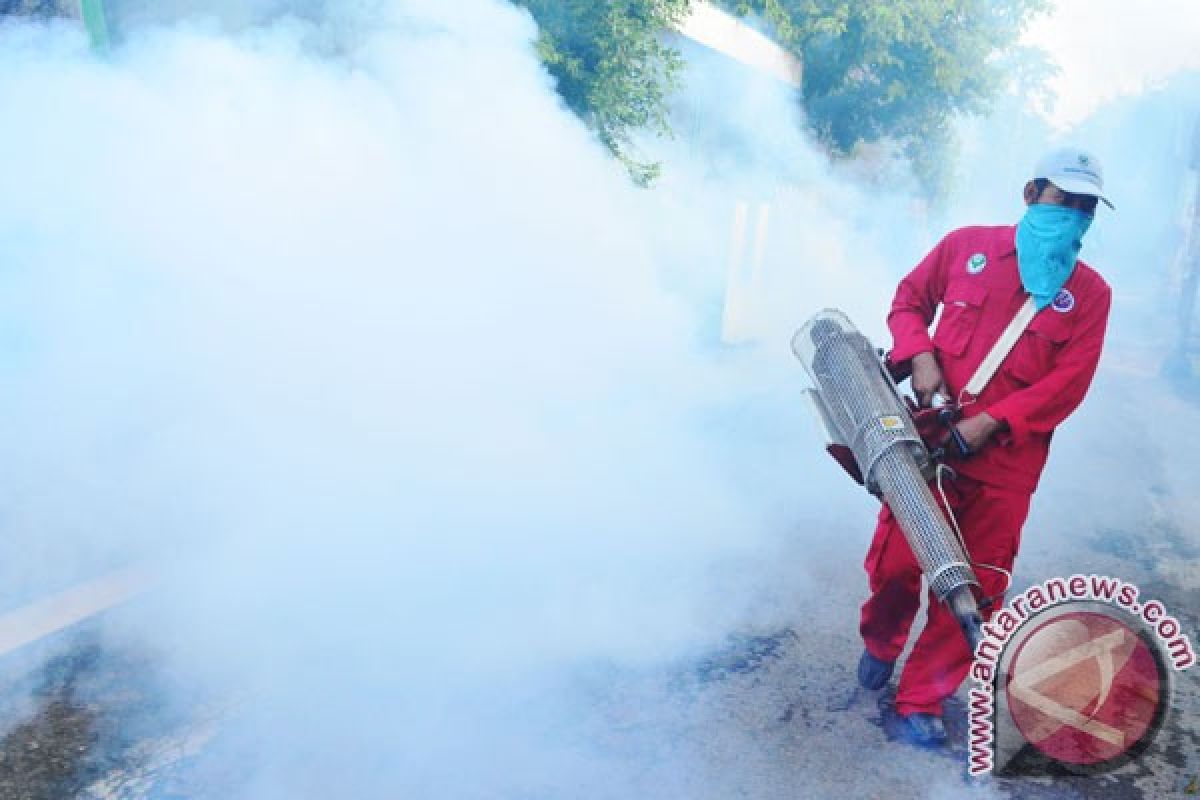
[
  {"x": 1064, "y": 301},
  {"x": 976, "y": 263}
]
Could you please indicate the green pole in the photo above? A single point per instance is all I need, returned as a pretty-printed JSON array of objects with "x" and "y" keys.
[{"x": 96, "y": 23}]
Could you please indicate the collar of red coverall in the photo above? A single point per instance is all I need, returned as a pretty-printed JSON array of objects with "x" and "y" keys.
[{"x": 1012, "y": 249}]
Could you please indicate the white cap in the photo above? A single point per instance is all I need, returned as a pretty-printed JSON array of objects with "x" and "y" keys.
[{"x": 1073, "y": 170}]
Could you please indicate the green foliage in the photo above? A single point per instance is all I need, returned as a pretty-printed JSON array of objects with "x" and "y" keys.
[
  {"x": 40, "y": 8},
  {"x": 611, "y": 66},
  {"x": 881, "y": 69}
]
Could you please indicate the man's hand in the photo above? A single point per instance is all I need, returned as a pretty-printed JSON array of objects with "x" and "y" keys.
[
  {"x": 927, "y": 379},
  {"x": 978, "y": 430}
]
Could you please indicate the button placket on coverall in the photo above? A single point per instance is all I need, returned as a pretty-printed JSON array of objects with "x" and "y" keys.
[{"x": 1042, "y": 381}]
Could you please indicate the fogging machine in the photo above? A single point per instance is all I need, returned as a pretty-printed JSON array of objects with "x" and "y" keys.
[{"x": 871, "y": 431}]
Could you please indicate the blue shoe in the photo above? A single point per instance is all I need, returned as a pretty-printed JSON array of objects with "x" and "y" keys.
[
  {"x": 873, "y": 673},
  {"x": 924, "y": 730}
]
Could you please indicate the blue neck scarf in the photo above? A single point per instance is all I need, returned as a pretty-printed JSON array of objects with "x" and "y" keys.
[{"x": 1049, "y": 238}]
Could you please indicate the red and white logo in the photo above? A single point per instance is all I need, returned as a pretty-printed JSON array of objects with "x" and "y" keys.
[{"x": 1086, "y": 688}]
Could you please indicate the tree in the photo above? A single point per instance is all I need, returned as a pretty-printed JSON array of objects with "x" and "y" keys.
[
  {"x": 611, "y": 66},
  {"x": 40, "y": 8},
  {"x": 881, "y": 69}
]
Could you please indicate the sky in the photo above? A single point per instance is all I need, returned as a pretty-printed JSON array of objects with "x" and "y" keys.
[{"x": 1110, "y": 48}]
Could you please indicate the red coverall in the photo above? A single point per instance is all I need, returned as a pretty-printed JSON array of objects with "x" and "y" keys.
[{"x": 972, "y": 274}]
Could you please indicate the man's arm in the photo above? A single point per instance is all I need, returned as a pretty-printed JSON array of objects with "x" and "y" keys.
[
  {"x": 913, "y": 308},
  {"x": 916, "y": 301},
  {"x": 1042, "y": 406}
]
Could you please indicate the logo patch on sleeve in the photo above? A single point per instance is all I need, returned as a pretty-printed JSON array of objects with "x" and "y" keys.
[
  {"x": 1064, "y": 301},
  {"x": 976, "y": 263}
]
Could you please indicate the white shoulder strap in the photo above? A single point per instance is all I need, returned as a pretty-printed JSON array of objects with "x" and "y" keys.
[{"x": 1000, "y": 350}]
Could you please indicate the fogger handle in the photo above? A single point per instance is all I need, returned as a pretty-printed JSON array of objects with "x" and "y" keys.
[{"x": 948, "y": 416}]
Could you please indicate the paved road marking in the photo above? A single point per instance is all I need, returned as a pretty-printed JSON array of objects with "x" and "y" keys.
[{"x": 62, "y": 610}]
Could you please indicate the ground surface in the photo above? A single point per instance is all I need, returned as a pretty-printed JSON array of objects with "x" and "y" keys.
[{"x": 772, "y": 714}]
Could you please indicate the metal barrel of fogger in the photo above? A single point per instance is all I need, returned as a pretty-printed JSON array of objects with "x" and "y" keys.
[{"x": 862, "y": 404}]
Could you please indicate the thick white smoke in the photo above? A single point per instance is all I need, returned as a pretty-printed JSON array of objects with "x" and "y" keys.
[
  {"x": 372, "y": 356},
  {"x": 417, "y": 406}
]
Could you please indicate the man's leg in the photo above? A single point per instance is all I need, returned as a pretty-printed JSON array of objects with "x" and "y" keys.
[
  {"x": 991, "y": 521},
  {"x": 895, "y": 581}
]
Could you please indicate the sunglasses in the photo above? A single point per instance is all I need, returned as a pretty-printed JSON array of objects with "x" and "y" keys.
[{"x": 1080, "y": 202}]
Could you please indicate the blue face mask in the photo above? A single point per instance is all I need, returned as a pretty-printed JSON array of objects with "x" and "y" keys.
[{"x": 1049, "y": 238}]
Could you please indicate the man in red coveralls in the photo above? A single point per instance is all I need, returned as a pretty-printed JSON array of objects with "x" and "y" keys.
[{"x": 981, "y": 276}]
